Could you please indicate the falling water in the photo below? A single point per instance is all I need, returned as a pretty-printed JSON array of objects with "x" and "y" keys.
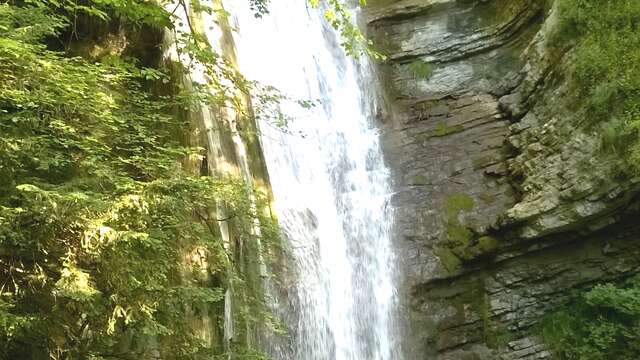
[{"x": 330, "y": 185}]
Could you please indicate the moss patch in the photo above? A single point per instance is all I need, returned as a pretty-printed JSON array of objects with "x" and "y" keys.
[
  {"x": 458, "y": 236},
  {"x": 448, "y": 259},
  {"x": 421, "y": 70},
  {"x": 442, "y": 129},
  {"x": 461, "y": 243},
  {"x": 473, "y": 304},
  {"x": 455, "y": 204},
  {"x": 494, "y": 334}
]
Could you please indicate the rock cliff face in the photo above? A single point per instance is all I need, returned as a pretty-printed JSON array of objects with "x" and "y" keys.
[{"x": 506, "y": 201}]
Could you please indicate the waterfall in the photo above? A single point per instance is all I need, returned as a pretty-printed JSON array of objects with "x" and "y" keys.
[{"x": 330, "y": 185}]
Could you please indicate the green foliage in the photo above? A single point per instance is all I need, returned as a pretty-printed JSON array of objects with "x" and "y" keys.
[
  {"x": 131, "y": 11},
  {"x": 602, "y": 323},
  {"x": 267, "y": 101},
  {"x": 421, "y": 70},
  {"x": 607, "y": 66},
  {"x": 109, "y": 248},
  {"x": 353, "y": 41},
  {"x": 615, "y": 136},
  {"x": 336, "y": 13}
]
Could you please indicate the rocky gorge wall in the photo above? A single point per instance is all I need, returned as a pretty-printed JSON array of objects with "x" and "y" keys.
[{"x": 506, "y": 202}]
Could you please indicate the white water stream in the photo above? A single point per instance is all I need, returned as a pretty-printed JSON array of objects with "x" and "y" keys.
[{"x": 330, "y": 187}]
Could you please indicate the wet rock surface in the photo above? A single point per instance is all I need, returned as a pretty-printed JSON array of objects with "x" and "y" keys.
[{"x": 506, "y": 203}]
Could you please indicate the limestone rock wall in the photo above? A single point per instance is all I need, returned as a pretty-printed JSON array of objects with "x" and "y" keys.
[{"x": 506, "y": 201}]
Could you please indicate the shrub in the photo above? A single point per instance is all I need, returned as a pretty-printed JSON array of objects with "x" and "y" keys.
[{"x": 602, "y": 323}]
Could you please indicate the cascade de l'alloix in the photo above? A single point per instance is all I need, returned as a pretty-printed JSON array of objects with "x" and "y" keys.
[
  {"x": 501, "y": 203},
  {"x": 331, "y": 187}
]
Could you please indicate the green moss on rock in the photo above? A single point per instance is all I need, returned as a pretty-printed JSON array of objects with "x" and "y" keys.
[
  {"x": 450, "y": 262},
  {"x": 458, "y": 237},
  {"x": 442, "y": 129},
  {"x": 461, "y": 244},
  {"x": 455, "y": 204},
  {"x": 487, "y": 244},
  {"x": 421, "y": 69}
]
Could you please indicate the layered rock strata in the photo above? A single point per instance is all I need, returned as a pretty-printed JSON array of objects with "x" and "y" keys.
[{"x": 506, "y": 200}]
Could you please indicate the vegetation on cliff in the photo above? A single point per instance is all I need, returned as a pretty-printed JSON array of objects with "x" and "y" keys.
[
  {"x": 607, "y": 68},
  {"x": 603, "y": 322},
  {"x": 109, "y": 247}
]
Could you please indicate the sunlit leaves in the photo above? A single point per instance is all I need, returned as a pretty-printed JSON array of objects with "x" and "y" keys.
[
  {"x": 353, "y": 41},
  {"x": 104, "y": 237},
  {"x": 96, "y": 213},
  {"x": 74, "y": 283},
  {"x": 28, "y": 24}
]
